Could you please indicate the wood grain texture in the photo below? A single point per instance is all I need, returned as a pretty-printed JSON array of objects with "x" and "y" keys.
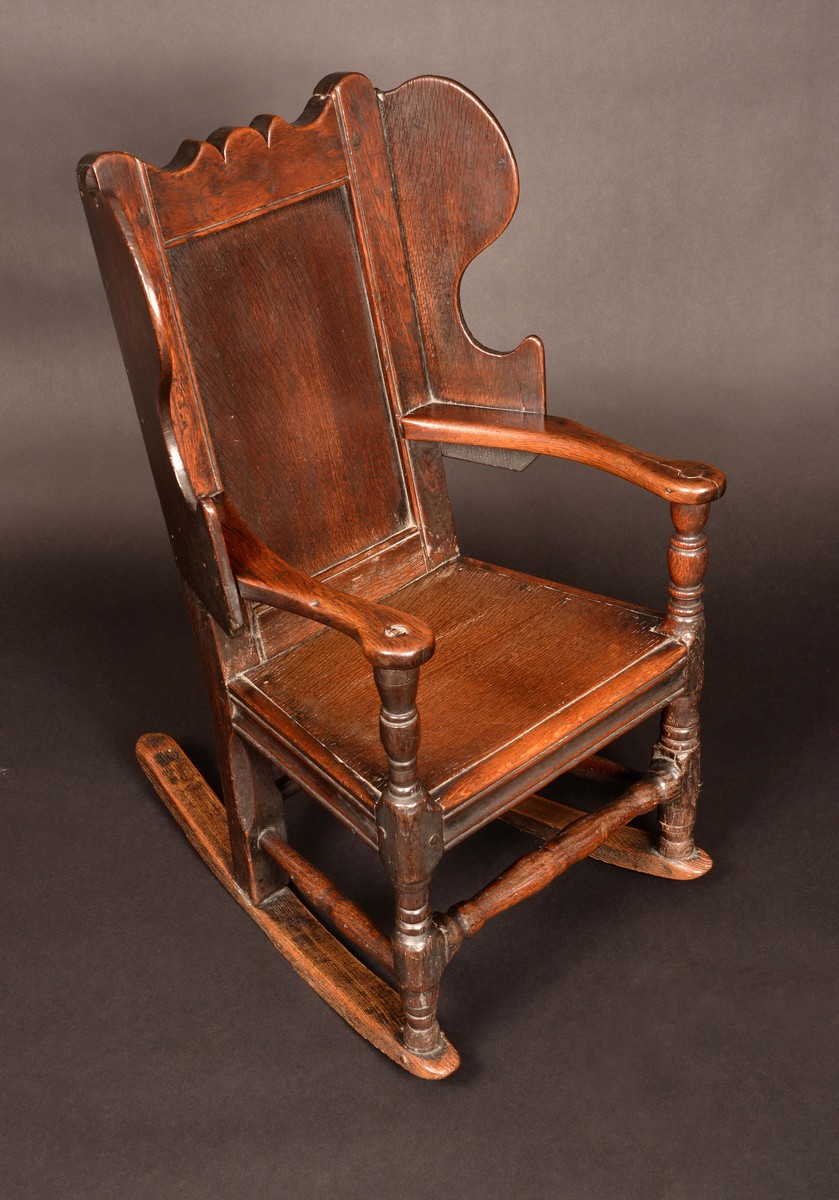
[
  {"x": 374, "y": 571},
  {"x": 352, "y": 799},
  {"x": 121, "y": 220},
  {"x": 440, "y": 136},
  {"x": 628, "y": 847},
  {"x": 393, "y": 297},
  {"x": 457, "y": 187},
  {"x": 674, "y": 480},
  {"x": 238, "y": 172},
  {"x": 363, "y": 1000},
  {"x": 387, "y": 637},
  {"x": 288, "y": 373},
  {"x": 574, "y": 656}
]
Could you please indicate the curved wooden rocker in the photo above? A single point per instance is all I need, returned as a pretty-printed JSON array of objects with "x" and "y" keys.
[{"x": 286, "y": 299}]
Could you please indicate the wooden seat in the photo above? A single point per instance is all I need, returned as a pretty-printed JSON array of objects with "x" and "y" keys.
[
  {"x": 286, "y": 300},
  {"x": 525, "y": 673}
]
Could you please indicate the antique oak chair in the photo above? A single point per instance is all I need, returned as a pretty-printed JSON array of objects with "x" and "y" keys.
[{"x": 286, "y": 299}]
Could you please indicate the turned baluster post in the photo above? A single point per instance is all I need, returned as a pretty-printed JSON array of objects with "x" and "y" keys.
[
  {"x": 685, "y": 620},
  {"x": 410, "y": 845}
]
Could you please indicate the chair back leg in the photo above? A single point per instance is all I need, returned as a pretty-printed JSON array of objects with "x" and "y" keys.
[{"x": 252, "y": 800}]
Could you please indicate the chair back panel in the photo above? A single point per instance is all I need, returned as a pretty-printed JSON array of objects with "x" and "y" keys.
[{"x": 278, "y": 327}]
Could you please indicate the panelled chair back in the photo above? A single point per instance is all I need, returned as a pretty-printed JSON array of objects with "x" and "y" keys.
[{"x": 286, "y": 300}]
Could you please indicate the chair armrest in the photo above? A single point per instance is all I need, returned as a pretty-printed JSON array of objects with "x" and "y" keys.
[
  {"x": 464, "y": 424},
  {"x": 387, "y": 637}
]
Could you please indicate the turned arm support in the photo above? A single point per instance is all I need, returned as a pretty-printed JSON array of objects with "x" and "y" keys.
[
  {"x": 388, "y": 638},
  {"x": 678, "y": 481}
]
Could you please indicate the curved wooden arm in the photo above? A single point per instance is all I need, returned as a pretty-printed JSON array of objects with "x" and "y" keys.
[
  {"x": 387, "y": 637},
  {"x": 468, "y": 425}
]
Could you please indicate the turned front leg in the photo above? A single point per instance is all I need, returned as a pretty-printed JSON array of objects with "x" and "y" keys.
[
  {"x": 685, "y": 620},
  {"x": 411, "y": 845}
]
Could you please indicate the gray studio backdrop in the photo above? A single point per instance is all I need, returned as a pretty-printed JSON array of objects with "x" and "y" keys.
[{"x": 676, "y": 248}]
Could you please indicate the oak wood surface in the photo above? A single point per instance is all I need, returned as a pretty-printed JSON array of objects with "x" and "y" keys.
[
  {"x": 445, "y": 228},
  {"x": 323, "y": 895},
  {"x": 457, "y": 187},
  {"x": 440, "y": 139},
  {"x": 675, "y": 480},
  {"x": 374, "y": 571},
  {"x": 381, "y": 239},
  {"x": 120, "y": 215},
  {"x": 239, "y": 172},
  {"x": 520, "y": 665},
  {"x": 288, "y": 373},
  {"x": 387, "y": 636},
  {"x": 600, "y": 768}
]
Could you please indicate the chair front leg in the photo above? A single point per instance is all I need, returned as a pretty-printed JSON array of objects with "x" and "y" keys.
[
  {"x": 410, "y": 845},
  {"x": 419, "y": 959},
  {"x": 685, "y": 620},
  {"x": 679, "y": 741}
]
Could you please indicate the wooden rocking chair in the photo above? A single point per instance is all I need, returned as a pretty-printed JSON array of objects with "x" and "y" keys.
[{"x": 286, "y": 300}]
